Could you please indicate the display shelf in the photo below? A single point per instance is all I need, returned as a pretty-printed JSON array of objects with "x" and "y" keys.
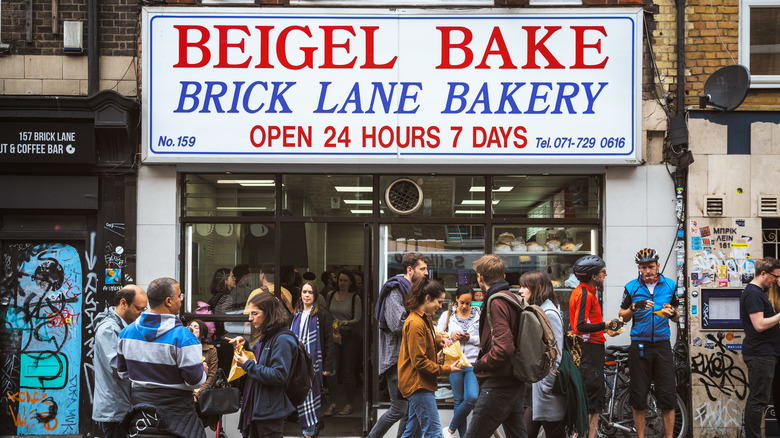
[{"x": 538, "y": 253}]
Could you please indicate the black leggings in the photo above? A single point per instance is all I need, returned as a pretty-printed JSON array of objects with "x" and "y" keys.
[{"x": 346, "y": 360}]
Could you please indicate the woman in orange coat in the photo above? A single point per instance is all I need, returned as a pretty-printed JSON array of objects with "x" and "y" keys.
[{"x": 417, "y": 367}]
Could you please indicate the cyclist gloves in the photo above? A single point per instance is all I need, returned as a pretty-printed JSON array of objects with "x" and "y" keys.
[
  {"x": 615, "y": 324},
  {"x": 641, "y": 304}
]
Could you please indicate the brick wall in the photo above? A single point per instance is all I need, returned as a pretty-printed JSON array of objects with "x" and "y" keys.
[
  {"x": 712, "y": 42},
  {"x": 118, "y": 36}
]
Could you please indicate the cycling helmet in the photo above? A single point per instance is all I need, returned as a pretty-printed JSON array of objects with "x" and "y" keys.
[
  {"x": 646, "y": 255},
  {"x": 587, "y": 266}
]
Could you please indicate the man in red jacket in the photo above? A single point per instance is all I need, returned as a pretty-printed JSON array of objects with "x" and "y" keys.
[
  {"x": 500, "y": 400},
  {"x": 588, "y": 322}
]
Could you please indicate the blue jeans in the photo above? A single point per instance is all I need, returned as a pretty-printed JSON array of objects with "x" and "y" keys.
[
  {"x": 399, "y": 408},
  {"x": 465, "y": 391},
  {"x": 496, "y": 406},
  {"x": 761, "y": 371},
  {"x": 423, "y": 415}
]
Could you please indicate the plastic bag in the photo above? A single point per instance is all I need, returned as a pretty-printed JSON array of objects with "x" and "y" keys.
[{"x": 453, "y": 353}]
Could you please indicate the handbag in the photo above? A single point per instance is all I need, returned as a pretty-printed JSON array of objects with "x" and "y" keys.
[{"x": 221, "y": 398}]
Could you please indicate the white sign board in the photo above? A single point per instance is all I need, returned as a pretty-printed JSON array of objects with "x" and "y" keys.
[{"x": 290, "y": 85}]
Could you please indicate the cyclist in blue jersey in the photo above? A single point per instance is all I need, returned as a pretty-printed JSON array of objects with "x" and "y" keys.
[{"x": 651, "y": 301}]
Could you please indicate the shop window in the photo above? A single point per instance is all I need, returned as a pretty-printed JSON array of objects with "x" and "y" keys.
[
  {"x": 439, "y": 196},
  {"x": 328, "y": 195},
  {"x": 546, "y": 197},
  {"x": 217, "y": 195},
  {"x": 759, "y": 41},
  {"x": 43, "y": 222},
  {"x": 448, "y": 3},
  {"x": 770, "y": 240},
  {"x": 211, "y": 248}
]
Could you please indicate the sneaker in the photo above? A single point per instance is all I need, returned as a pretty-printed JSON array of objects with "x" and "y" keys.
[
  {"x": 330, "y": 411},
  {"x": 445, "y": 432},
  {"x": 346, "y": 411}
]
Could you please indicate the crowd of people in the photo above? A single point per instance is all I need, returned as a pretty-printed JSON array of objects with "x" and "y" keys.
[{"x": 150, "y": 366}]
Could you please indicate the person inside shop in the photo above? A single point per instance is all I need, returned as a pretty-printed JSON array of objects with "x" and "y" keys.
[
  {"x": 651, "y": 301},
  {"x": 329, "y": 281},
  {"x": 547, "y": 407},
  {"x": 266, "y": 276},
  {"x": 390, "y": 315},
  {"x": 587, "y": 323},
  {"x": 461, "y": 322},
  {"x": 345, "y": 306},
  {"x": 762, "y": 342},
  {"x": 418, "y": 370},
  {"x": 222, "y": 283},
  {"x": 314, "y": 327}
]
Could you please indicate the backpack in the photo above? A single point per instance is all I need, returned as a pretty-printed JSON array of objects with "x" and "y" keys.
[
  {"x": 535, "y": 346},
  {"x": 301, "y": 372}
]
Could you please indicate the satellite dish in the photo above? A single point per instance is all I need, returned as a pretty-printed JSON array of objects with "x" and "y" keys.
[{"x": 727, "y": 88}]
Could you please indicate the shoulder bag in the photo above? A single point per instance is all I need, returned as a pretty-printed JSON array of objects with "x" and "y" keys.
[{"x": 221, "y": 398}]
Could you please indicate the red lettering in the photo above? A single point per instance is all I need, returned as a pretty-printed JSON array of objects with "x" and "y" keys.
[
  {"x": 580, "y": 46},
  {"x": 497, "y": 38},
  {"x": 369, "y": 30},
  {"x": 224, "y": 45},
  {"x": 281, "y": 49},
  {"x": 538, "y": 46},
  {"x": 329, "y": 45},
  {"x": 447, "y": 45},
  {"x": 184, "y": 44},
  {"x": 265, "y": 37}
]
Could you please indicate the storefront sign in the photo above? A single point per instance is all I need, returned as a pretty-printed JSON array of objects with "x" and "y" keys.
[
  {"x": 504, "y": 86},
  {"x": 43, "y": 142}
]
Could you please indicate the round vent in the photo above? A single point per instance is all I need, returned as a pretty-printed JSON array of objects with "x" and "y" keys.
[{"x": 403, "y": 196}]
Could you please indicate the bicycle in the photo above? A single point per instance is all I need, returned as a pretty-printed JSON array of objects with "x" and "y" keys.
[{"x": 618, "y": 415}]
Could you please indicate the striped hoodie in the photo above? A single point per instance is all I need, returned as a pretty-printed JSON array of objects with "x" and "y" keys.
[{"x": 157, "y": 351}]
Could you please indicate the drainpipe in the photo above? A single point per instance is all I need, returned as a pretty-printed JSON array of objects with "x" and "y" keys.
[
  {"x": 93, "y": 57},
  {"x": 680, "y": 57}
]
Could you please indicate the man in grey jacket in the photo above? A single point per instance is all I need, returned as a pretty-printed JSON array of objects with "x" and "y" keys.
[{"x": 111, "y": 399}]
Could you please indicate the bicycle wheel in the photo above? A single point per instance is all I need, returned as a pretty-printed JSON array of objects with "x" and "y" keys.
[{"x": 654, "y": 424}]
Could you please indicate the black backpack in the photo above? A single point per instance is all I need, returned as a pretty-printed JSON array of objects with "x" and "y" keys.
[{"x": 302, "y": 371}]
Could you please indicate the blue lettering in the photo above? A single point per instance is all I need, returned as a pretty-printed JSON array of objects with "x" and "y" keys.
[
  {"x": 385, "y": 98},
  {"x": 278, "y": 96},
  {"x": 249, "y": 93},
  {"x": 210, "y": 96},
  {"x": 324, "y": 89},
  {"x": 353, "y": 98},
  {"x": 592, "y": 97},
  {"x": 483, "y": 97},
  {"x": 507, "y": 97},
  {"x": 535, "y": 95},
  {"x": 406, "y": 96},
  {"x": 236, "y": 94},
  {"x": 448, "y": 109},
  {"x": 185, "y": 85},
  {"x": 567, "y": 97}
]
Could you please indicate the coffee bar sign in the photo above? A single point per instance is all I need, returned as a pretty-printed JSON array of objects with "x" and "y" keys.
[
  {"x": 380, "y": 85},
  {"x": 66, "y": 143}
]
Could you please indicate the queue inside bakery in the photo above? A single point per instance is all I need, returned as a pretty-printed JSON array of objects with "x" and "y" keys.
[{"x": 350, "y": 232}]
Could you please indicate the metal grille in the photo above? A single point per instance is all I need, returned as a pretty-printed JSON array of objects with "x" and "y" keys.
[
  {"x": 403, "y": 196},
  {"x": 714, "y": 206},
  {"x": 770, "y": 241},
  {"x": 768, "y": 206}
]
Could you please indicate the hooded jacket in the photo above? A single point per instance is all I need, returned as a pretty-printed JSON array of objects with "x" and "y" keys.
[
  {"x": 157, "y": 351},
  {"x": 111, "y": 400}
]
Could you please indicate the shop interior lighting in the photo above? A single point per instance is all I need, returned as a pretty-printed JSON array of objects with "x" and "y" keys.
[
  {"x": 248, "y": 182},
  {"x": 361, "y": 211},
  {"x": 358, "y": 201},
  {"x": 354, "y": 189},
  {"x": 242, "y": 208},
  {"x": 498, "y": 189},
  {"x": 469, "y": 211},
  {"x": 476, "y": 202}
]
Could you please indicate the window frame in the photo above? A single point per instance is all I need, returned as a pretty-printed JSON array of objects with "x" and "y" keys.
[{"x": 756, "y": 81}]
